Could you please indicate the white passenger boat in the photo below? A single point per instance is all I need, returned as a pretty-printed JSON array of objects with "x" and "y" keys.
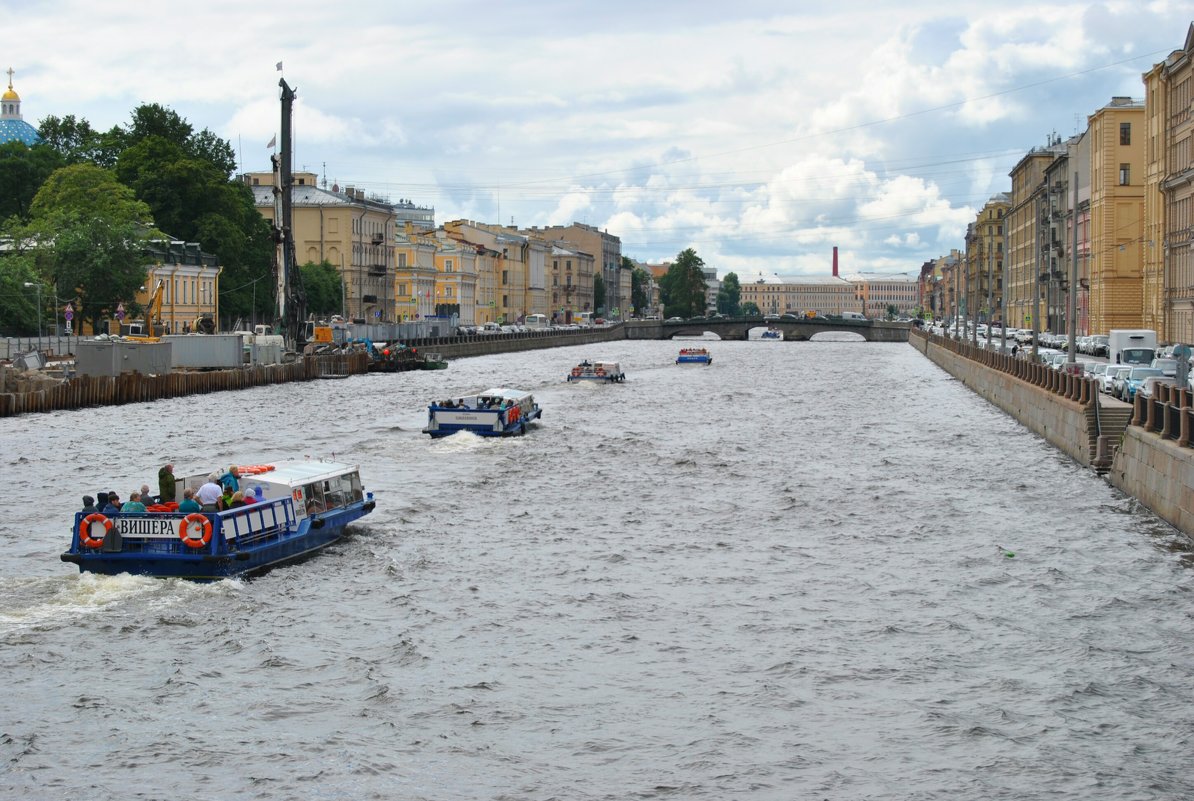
[
  {"x": 605, "y": 372},
  {"x": 499, "y": 412}
]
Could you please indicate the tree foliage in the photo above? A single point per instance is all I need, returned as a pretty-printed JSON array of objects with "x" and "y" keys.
[
  {"x": 322, "y": 283},
  {"x": 682, "y": 289},
  {"x": 76, "y": 142},
  {"x": 19, "y": 303},
  {"x": 729, "y": 296},
  {"x": 84, "y": 190},
  {"x": 88, "y": 234},
  {"x": 640, "y": 286},
  {"x": 750, "y": 309},
  {"x": 22, "y": 172}
]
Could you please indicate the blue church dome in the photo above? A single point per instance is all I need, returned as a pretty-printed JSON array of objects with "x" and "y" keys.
[{"x": 13, "y": 127}]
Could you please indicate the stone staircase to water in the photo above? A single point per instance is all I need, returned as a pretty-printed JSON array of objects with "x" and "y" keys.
[{"x": 1112, "y": 420}]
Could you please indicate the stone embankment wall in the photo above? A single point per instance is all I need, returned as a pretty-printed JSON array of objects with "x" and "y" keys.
[
  {"x": 481, "y": 345},
  {"x": 1046, "y": 402},
  {"x": 1151, "y": 458},
  {"x": 1155, "y": 463}
]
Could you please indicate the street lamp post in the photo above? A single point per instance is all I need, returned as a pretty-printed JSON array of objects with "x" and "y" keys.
[{"x": 29, "y": 284}]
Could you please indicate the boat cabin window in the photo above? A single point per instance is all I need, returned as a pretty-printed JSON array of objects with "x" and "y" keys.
[{"x": 313, "y": 498}]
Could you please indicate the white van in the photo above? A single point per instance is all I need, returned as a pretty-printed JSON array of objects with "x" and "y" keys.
[
  {"x": 535, "y": 321},
  {"x": 848, "y": 315},
  {"x": 583, "y": 318}
]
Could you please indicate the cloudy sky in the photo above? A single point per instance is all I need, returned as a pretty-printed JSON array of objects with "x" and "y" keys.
[{"x": 760, "y": 133}]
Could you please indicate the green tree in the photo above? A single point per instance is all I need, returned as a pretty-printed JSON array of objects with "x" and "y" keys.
[
  {"x": 18, "y": 303},
  {"x": 683, "y": 287},
  {"x": 892, "y": 311},
  {"x": 23, "y": 170},
  {"x": 76, "y": 142},
  {"x": 640, "y": 286},
  {"x": 751, "y": 309},
  {"x": 88, "y": 233},
  {"x": 84, "y": 190},
  {"x": 729, "y": 295},
  {"x": 322, "y": 283}
]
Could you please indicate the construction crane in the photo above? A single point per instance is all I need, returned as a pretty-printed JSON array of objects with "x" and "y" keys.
[
  {"x": 151, "y": 328},
  {"x": 290, "y": 295}
]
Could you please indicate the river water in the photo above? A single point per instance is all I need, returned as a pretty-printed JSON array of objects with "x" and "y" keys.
[{"x": 784, "y": 576}]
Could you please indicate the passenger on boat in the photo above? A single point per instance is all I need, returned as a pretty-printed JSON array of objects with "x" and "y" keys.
[
  {"x": 448, "y": 404},
  {"x": 189, "y": 504},
  {"x": 145, "y": 496},
  {"x": 89, "y": 505},
  {"x": 225, "y": 499},
  {"x": 166, "y": 484},
  {"x": 231, "y": 479},
  {"x": 209, "y": 494},
  {"x": 133, "y": 505},
  {"x": 113, "y": 505},
  {"x": 238, "y": 499}
]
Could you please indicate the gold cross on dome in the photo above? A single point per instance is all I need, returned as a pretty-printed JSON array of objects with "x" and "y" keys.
[{"x": 10, "y": 77}]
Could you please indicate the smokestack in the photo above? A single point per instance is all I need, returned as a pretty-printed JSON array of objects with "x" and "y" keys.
[{"x": 835, "y": 261}]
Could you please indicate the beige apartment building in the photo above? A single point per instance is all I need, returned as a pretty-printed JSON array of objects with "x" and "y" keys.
[
  {"x": 983, "y": 261},
  {"x": 354, "y": 233},
  {"x": 606, "y": 250},
  {"x": 571, "y": 282},
  {"x": 190, "y": 285},
  {"x": 877, "y": 293},
  {"x": 511, "y": 270},
  {"x": 415, "y": 273},
  {"x": 824, "y": 294},
  {"x": 1117, "y": 135},
  {"x": 1168, "y": 247},
  {"x": 1025, "y": 236}
]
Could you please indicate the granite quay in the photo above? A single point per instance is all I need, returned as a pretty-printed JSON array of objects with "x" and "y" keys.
[{"x": 1144, "y": 449}]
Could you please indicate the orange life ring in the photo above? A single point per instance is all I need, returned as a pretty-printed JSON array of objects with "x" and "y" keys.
[
  {"x": 575, "y": 371},
  {"x": 601, "y": 371},
  {"x": 85, "y": 538},
  {"x": 184, "y": 530}
]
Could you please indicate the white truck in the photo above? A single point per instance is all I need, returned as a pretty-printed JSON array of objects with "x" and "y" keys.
[{"x": 1135, "y": 346}]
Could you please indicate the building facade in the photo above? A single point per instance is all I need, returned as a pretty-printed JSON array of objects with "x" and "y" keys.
[
  {"x": 1168, "y": 251},
  {"x": 1117, "y": 135}
]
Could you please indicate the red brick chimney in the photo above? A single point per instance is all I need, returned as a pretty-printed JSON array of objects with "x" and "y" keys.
[{"x": 835, "y": 261}]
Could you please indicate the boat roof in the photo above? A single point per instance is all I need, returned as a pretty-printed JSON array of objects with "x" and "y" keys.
[
  {"x": 504, "y": 392},
  {"x": 301, "y": 472}
]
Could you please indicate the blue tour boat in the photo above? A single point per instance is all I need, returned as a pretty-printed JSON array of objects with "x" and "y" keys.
[
  {"x": 694, "y": 356},
  {"x": 498, "y": 412},
  {"x": 302, "y": 507}
]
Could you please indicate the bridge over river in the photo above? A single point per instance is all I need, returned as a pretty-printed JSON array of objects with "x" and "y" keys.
[{"x": 732, "y": 328}]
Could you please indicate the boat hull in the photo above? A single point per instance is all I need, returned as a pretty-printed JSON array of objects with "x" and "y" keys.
[{"x": 222, "y": 559}]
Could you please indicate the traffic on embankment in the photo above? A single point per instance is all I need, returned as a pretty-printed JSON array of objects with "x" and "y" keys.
[{"x": 1144, "y": 448}]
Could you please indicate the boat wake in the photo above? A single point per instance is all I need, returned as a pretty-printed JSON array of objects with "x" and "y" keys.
[{"x": 39, "y": 603}]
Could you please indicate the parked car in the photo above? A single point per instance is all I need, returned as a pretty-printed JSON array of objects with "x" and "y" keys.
[
  {"x": 1131, "y": 384},
  {"x": 1099, "y": 344},
  {"x": 675, "y": 319},
  {"x": 1110, "y": 380},
  {"x": 1149, "y": 387},
  {"x": 1168, "y": 367}
]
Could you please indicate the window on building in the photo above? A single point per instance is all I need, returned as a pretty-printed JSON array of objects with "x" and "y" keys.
[
  {"x": 402, "y": 290},
  {"x": 447, "y": 265},
  {"x": 1125, "y": 174},
  {"x": 401, "y": 261},
  {"x": 505, "y": 300},
  {"x": 505, "y": 277},
  {"x": 447, "y": 292},
  {"x": 1125, "y": 133}
]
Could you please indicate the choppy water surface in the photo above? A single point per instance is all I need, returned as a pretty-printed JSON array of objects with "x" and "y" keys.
[{"x": 780, "y": 577}]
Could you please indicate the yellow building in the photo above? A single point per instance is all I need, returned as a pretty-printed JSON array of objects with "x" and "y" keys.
[
  {"x": 190, "y": 285},
  {"x": 1168, "y": 247},
  {"x": 1117, "y": 135},
  {"x": 983, "y": 261},
  {"x": 511, "y": 270},
  {"x": 352, "y": 232},
  {"x": 415, "y": 273},
  {"x": 878, "y": 293},
  {"x": 824, "y": 294}
]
